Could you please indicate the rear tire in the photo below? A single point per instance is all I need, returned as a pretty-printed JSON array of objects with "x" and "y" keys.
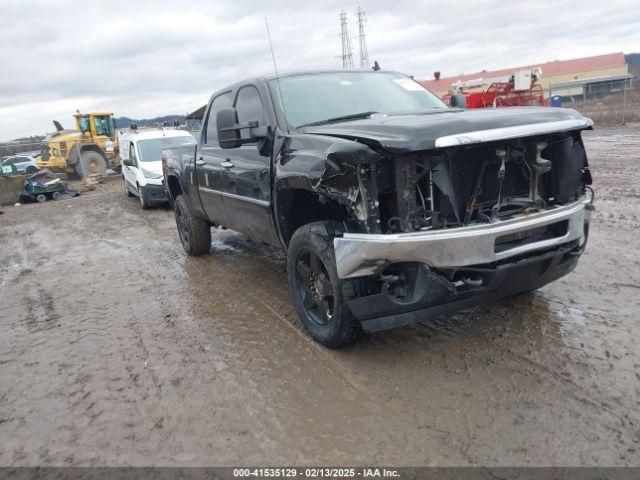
[
  {"x": 195, "y": 233},
  {"x": 316, "y": 289},
  {"x": 91, "y": 164},
  {"x": 31, "y": 169}
]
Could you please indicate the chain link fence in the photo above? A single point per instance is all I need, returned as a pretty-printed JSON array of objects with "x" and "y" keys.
[
  {"x": 29, "y": 147},
  {"x": 613, "y": 100}
]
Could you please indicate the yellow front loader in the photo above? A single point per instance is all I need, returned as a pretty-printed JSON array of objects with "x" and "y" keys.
[{"x": 88, "y": 150}]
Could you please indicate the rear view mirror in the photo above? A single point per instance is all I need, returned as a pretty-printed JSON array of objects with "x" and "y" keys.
[
  {"x": 128, "y": 162},
  {"x": 458, "y": 100}
]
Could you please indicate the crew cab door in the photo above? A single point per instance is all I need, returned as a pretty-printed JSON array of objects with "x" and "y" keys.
[
  {"x": 211, "y": 176},
  {"x": 248, "y": 168}
]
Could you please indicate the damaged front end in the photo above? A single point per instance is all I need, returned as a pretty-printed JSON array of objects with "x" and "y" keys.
[{"x": 433, "y": 231}]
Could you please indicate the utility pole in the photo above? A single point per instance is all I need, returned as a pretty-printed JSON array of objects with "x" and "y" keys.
[
  {"x": 624, "y": 103},
  {"x": 364, "y": 54},
  {"x": 347, "y": 53}
]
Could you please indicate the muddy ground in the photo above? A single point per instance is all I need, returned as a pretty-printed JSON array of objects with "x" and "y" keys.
[{"x": 117, "y": 348}]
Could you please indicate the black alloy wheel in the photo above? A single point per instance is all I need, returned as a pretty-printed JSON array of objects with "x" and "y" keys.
[
  {"x": 314, "y": 287},
  {"x": 195, "y": 233}
]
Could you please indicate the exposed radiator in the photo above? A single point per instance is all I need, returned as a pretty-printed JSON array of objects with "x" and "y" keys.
[{"x": 465, "y": 172}]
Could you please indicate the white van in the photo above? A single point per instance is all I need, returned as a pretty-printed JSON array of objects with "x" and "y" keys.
[{"x": 141, "y": 154}]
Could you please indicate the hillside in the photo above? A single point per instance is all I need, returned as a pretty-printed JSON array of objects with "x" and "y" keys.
[{"x": 124, "y": 122}]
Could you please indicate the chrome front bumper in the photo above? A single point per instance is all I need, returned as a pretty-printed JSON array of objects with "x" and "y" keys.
[{"x": 365, "y": 254}]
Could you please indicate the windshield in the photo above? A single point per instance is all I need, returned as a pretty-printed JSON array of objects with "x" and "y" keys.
[
  {"x": 151, "y": 150},
  {"x": 322, "y": 96}
]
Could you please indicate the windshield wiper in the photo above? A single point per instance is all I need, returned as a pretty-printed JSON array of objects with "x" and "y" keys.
[{"x": 343, "y": 118}]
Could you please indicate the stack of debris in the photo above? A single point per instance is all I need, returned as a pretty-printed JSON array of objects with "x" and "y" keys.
[{"x": 43, "y": 186}]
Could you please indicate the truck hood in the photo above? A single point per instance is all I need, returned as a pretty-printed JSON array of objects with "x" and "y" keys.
[{"x": 405, "y": 133}]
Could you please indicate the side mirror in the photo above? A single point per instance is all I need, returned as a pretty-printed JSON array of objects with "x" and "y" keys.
[
  {"x": 458, "y": 100},
  {"x": 229, "y": 129},
  {"x": 128, "y": 162}
]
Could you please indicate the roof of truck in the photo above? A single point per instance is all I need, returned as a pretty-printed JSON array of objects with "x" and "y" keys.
[{"x": 272, "y": 76}]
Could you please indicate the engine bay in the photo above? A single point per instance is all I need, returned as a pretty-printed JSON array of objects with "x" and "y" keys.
[{"x": 477, "y": 184}]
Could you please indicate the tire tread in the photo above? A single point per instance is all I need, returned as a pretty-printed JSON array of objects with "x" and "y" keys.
[{"x": 200, "y": 231}]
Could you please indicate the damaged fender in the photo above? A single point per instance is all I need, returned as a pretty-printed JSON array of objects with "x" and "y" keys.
[{"x": 336, "y": 171}]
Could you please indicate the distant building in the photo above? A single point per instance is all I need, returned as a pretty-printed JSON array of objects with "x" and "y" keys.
[{"x": 607, "y": 71}]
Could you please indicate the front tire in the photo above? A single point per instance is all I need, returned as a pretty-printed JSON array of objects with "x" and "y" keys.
[
  {"x": 91, "y": 164},
  {"x": 316, "y": 289},
  {"x": 144, "y": 203},
  {"x": 126, "y": 187},
  {"x": 195, "y": 233}
]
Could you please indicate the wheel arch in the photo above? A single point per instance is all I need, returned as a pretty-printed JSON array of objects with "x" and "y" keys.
[
  {"x": 174, "y": 188},
  {"x": 93, "y": 148},
  {"x": 295, "y": 207},
  {"x": 78, "y": 149}
]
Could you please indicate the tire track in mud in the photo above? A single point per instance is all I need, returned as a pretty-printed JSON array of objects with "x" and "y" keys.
[
  {"x": 283, "y": 312},
  {"x": 249, "y": 332},
  {"x": 509, "y": 357},
  {"x": 287, "y": 343},
  {"x": 88, "y": 331}
]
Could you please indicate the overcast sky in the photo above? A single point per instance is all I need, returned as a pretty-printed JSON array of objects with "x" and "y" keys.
[{"x": 142, "y": 59}]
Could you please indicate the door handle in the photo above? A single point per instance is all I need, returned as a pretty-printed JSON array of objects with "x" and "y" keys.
[{"x": 227, "y": 164}]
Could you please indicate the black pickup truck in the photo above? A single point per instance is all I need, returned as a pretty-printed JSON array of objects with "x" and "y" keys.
[{"x": 392, "y": 206}]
